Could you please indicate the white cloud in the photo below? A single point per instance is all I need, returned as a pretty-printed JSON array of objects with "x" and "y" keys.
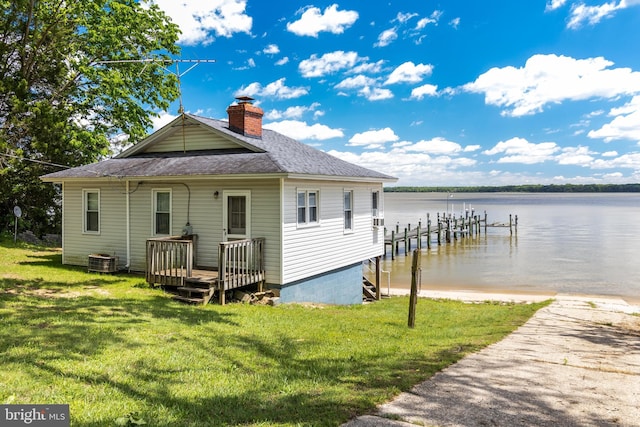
[
  {"x": 579, "y": 156},
  {"x": 294, "y": 112},
  {"x": 356, "y": 82},
  {"x": 581, "y": 13},
  {"x": 276, "y": 89},
  {"x": 200, "y": 20},
  {"x": 163, "y": 119},
  {"x": 627, "y": 161},
  {"x": 424, "y": 90},
  {"x": 436, "y": 145},
  {"x": 313, "y": 21},
  {"x": 271, "y": 49},
  {"x": 409, "y": 73},
  {"x": 282, "y": 61},
  {"x": 302, "y": 131},
  {"x": 554, "y": 4},
  {"x": 423, "y": 23},
  {"x": 610, "y": 154},
  {"x": 412, "y": 167},
  {"x": 404, "y": 17},
  {"x": 367, "y": 67},
  {"x": 519, "y": 150},
  {"x": 455, "y": 22},
  {"x": 386, "y": 37},
  {"x": 625, "y": 125},
  {"x": 328, "y": 63},
  {"x": 552, "y": 79},
  {"x": 376, "y": 93},
  {"x": 378, "y": 137},
  {"x": 432, "y": 19}
]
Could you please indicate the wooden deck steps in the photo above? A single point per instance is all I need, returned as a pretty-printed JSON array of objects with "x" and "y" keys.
[
  {"x": 368, "y": 290},
  {"x": 197, "y": 290}
]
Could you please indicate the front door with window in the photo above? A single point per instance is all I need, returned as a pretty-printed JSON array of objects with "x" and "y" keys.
[{"x": 236, "y": 215}]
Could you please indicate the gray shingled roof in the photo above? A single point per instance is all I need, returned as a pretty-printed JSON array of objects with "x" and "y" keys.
[{"x": 275, "y": 154}]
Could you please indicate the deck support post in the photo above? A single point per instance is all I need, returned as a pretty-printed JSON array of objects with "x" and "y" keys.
[{"x": 378, "y": 268}]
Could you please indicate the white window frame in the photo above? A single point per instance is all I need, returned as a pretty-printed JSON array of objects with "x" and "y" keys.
[
  {"x": 376, "y": 210},
  {"x": 307, "y": 222},
  {"x": 85, "y": 207},
  {"x": 346, "y": 229},
  {"x": 154, "y": 211}
]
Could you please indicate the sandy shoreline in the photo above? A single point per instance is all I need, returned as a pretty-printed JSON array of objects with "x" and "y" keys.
[{"x": 608, "y": 302}]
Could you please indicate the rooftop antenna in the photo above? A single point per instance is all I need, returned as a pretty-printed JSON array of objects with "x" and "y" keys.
[{"x": 177, "y": 73}]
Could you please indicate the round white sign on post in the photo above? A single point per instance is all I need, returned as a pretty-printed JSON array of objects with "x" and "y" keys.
[{"x": 17, "y": 211}]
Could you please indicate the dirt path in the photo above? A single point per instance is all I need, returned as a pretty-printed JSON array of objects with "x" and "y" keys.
[{"x": 574, "y": 363}]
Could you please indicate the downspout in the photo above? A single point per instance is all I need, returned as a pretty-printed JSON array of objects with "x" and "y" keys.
[
  {"x": 128, "y": 221},
  {"x": 281, "y": 232}
]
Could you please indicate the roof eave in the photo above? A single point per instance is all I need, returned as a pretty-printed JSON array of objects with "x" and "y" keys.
[
  {"x": 343, "y": 178},
  {"x": 175, "y": 178}
]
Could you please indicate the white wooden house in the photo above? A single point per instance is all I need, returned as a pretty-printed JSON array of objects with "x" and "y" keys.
[{"x": 227, "y": 203}]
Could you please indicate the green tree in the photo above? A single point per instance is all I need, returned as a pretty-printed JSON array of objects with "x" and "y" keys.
[{"x": 64, "y": 100}]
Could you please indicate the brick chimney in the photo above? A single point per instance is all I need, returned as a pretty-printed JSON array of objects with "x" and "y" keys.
[{"x": 245, "y": 118}]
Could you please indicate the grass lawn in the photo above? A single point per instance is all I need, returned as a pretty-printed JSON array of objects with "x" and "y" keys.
[{"x": 110, "y": 346}]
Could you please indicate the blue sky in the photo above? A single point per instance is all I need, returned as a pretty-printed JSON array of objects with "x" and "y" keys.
[{"x": 434, "y": 93}]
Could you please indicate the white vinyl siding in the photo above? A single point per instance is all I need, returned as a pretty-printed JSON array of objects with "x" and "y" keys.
[
  {"x": 308, "y": 251},
  {"x": 195, "y": 138},
  {"x": 291, "y": 253},
  {"x": 205, "y": 215},
  {"x": 91, "y": 210},
  {"x": 78, "y": 245},
  {"x": 161, "y": 212}
]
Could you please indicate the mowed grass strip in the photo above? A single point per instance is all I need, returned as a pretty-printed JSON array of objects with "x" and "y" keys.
[{"x": 109, "y": 346}]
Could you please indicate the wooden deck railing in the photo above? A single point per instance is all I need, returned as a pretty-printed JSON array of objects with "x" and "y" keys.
[
  {"x": 240, "y": 263},
  {"x": 169, "y": 260}
]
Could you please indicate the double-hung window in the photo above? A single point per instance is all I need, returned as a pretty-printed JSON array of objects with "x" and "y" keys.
[
  {"x": 307, "y": 207},
  {"x": 161, "y": 212},
  {"x": 375, "y": 204},
  {"x": 91, "y": 209},
  {"x": 348, "y": 210}
]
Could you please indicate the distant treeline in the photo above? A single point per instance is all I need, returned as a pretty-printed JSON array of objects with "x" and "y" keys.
[{"x": 552, "y": 188}]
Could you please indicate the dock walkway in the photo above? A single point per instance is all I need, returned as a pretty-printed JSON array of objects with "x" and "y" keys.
[{"x": 446, "y": 228}]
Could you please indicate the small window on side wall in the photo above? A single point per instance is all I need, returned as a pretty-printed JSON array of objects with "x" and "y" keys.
[
  {"x": 375, "y": 204},
  {"x": 307, "y": 204},
  {"x": 348, "y": 210},
  {"x": 162, "y": 212},
  {"x": 91, "y": 209}
]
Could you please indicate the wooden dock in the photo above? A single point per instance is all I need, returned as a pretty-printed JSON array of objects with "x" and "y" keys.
[{"x": 446, "y": 228}]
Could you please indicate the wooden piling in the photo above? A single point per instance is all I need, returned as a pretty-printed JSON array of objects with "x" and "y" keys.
[
  {"x": 510, "y": 225},
  {"x": 413, "y": 298},
  {"x": 485, "y": 223},
  {"x": 407, "y": 242}
]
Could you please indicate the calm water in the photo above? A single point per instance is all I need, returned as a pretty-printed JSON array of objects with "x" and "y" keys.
[{"x": 568, "y": 243}]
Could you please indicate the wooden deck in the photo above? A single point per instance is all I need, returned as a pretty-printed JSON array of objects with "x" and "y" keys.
[{"x": 170, "y": 264}]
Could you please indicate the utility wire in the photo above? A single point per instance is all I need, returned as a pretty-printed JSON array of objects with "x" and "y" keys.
[{"x": 42, "y": 162}]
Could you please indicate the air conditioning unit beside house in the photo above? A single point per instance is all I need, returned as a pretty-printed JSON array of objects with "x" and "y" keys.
[
  {"x": 378, "y": 222},
  {"x": 102, "y": 263}
]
